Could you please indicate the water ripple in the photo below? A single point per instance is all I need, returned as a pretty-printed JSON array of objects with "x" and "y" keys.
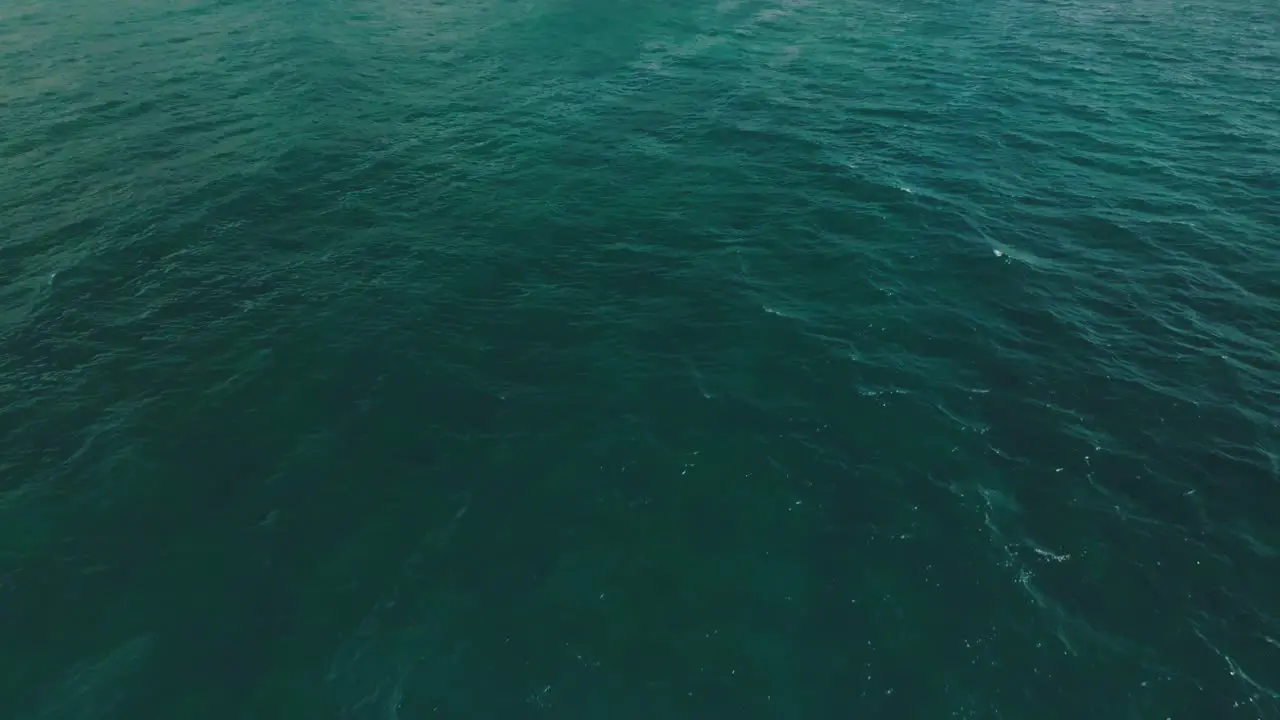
[{"x": 930, "y": 330}]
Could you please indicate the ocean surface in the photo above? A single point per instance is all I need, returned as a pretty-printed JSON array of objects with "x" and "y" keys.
[{"x": 741, "y": 359}]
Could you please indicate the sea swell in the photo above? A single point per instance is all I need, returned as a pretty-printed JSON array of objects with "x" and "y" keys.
[{"x": 783, "y": 358}]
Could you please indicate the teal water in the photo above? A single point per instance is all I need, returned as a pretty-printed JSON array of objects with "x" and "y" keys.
[{"x": 785, "y": 359}]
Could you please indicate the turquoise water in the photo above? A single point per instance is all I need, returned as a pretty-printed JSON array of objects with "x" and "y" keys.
[{"x": 745, "y": 359}]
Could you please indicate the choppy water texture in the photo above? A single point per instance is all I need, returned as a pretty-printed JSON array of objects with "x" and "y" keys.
[{"x": 747, "y": 359}]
